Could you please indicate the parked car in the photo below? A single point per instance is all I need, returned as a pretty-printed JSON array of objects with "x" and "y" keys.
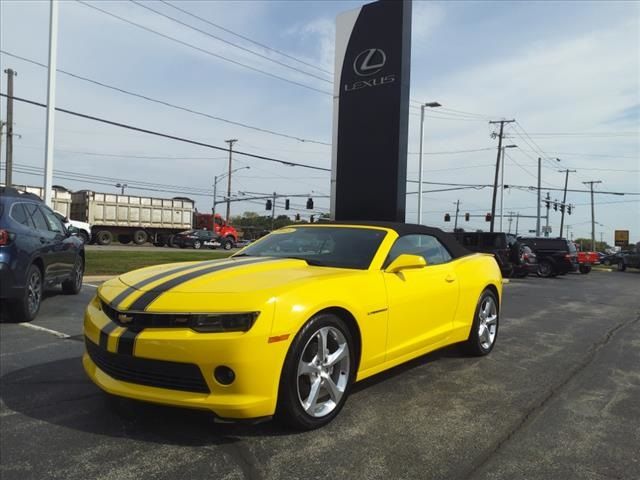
[
  {"x": 613, "y": 258},
  {"x": 36, "y": 253},
  {"x": 556, "y": 256},
  {"x": 504, "y": 247},
  {"x": 629, "y": 259},
  {"x": 369, "y": 297}
]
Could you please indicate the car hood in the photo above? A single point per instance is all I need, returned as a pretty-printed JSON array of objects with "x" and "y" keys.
[{"x": 241, "y": 275}]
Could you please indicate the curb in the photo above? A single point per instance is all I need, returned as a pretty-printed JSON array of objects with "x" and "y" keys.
[{"x": 97, "y": 278}]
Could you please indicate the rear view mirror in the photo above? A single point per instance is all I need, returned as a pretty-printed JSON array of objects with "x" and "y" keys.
[{"x": 406, "y": 262}]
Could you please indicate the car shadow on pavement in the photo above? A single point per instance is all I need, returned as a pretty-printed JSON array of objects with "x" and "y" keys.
[{"x": 59, "y": 393}]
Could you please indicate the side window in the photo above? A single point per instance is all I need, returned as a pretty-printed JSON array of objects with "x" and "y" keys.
[
  {"x": 426, "y": 246},
  {"x": 20, "y": 216},
  {"x": 54, "y": 224},
  {"x": 36, "y": 216}
]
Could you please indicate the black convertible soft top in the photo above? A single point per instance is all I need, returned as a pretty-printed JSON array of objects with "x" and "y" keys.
[{"x": 447, "y": 239}]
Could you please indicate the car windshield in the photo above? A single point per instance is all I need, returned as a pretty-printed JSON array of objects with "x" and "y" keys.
[{"x": 340, "y": 247}]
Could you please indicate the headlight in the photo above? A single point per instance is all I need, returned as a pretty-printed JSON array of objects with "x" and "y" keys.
[{"x": 221, "y": 322}]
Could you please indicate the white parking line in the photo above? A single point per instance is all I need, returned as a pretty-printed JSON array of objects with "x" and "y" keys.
[
  {"x": 91, "y": 285},
  {"x": 46, "y": 330}
]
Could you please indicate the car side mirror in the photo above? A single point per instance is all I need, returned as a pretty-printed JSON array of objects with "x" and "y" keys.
[{"x": 406, "y": 262}]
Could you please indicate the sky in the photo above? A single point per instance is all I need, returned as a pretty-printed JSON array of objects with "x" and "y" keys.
[{"x": 568, "y": 72}]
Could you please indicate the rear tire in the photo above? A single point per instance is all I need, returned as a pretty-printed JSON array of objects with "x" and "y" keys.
[
  {"x": 545, "y": 269},
  {"x": 26, "y": 308},
  {"x": 484, "y": 329},
  {"x": 227, "y": 244},
  {"x": 74, "y": 284},
  {"x": 585, "y": 269},
  {"x": 104, "y": 237},
  {"x": 314, "y": 386},
  {"x": 140, "y": 237}
]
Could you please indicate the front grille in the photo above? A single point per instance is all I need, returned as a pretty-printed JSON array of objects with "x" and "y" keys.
[
  {"x": 144, "y": 371},
  {"x": 137, "y": 321}
]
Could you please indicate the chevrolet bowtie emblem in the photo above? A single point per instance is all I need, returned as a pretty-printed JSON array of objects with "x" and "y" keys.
[{"x": 124, "y": 318}]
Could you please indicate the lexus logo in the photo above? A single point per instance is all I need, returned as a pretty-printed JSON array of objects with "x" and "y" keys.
[{"x": 369, "y": 62}]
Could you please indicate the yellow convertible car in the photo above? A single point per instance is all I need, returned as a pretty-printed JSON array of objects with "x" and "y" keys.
[{"x": 287, "y": 325}]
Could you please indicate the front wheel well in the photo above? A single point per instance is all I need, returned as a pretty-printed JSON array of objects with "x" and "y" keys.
[
  {"x": 493, "y": 289},
  {"x": 347, "y": 317}
]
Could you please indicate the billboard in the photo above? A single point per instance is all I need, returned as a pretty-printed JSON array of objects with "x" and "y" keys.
[
  {"x": 371, "y": 112},
  {"x": 621, "y": 238}
]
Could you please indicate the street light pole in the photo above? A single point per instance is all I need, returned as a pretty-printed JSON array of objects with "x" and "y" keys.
[
  {"x": 51, "y": 101},
  {"x": 422, "y": 107},
  {"x": 455, "y": 226},
  {"x": 593, "y": 214},
  {"x": 564, "y": 197},
  {"x": 230, "y": 142}
]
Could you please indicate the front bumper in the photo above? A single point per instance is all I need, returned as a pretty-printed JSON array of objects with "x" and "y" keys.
[{"x": 256, "y": 363}]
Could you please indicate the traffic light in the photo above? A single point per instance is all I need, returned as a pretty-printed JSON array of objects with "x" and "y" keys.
[
  {"x": 309, "y": 203},
  {"x": 269, "y": 205},
  {"x": 562, "y": 207},
  {"x": 487, "y": 217},
  {"x": 569, "y": 209},
  {"x": 297, "y": 217},
  {"x": 286, "y": 204},
  {"x": 547, "y": 204},
  {"x": 311, "y": 219},
  {"x": 466, "y": 217},
  {"x": 555, "y": 206},
  {"x": 447, "y": 217}
]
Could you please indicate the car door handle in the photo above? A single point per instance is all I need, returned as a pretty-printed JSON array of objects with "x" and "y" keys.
[{"x": 449, "y": 278}]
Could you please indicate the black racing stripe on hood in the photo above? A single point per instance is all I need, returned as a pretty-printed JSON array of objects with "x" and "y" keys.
[
  {"x": 129, "y": 290},
  {"x": 142, "y": 302}
]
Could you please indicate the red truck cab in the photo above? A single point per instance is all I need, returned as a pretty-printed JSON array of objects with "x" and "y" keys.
[
  {"x": 227, "y": 235},
  {"x": 586, "y": 259}
]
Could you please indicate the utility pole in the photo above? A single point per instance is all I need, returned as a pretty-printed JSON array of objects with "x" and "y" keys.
[
  {"x": 2, "y": 124},
  {"x": 495, "y": 180},
  {"x": 564, "y": 198},
  {"x": 502, "y": 182},
  {"x": 215, "y": 191},
  {"x": 510, "y": 220},
  {"x": 273, "y": 211},
  {"x": 9, "y": 156},
  {"x": 455, "y": 225},
  {"x": 230, "y": 142},
  {"x": 51, "y": 101},
  {"x": 539, "y": 199},
  {"x": 546, "y": 228},
  {"x": 517, "y": 221},
  {"x": 593, "y": 213}
]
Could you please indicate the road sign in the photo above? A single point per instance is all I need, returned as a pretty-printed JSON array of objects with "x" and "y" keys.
[{"x": 621, "y": 238}]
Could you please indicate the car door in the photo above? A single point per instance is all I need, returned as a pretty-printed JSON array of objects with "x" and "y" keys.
[
  {"x": 422, "y": 302},
  {"x": 45, "y": 241},
  {"x": 62, "y": 247}
]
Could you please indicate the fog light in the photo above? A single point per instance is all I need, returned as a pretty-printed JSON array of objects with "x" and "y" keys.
[{"x": 224, "y": 375}]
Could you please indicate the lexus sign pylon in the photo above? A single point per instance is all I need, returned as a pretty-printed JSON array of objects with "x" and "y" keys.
[{"x": 371, "y": 112}]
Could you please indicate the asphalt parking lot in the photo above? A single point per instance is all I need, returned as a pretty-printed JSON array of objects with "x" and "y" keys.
[{"x": 559, "y": 397}]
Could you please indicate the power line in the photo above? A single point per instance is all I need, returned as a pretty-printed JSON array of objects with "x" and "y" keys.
[
  {"x": 267, "y": 47},
  {"x": 202, "y": 50},
  {"x": 230, "y": 43},
  {"x": 166, "y": 103},
  {"x": 170, "y": 137}
]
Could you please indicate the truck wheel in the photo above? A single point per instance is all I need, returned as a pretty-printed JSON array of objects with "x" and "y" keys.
[
  {"x": 140, "y": 237},
  {"x": 545, "y": 269},
  {"x": 585, "y": 269},
  {"x": 621, "y": 266},
  {"x": 104, "y": 237},
  {"x": 227, "y": 244}
]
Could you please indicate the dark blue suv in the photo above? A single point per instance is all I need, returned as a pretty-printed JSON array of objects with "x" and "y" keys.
[{"x": 36, "y": 252}]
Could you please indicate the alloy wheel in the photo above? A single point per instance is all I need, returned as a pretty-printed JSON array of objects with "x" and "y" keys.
[
  {"x": 34, "y": 291},
  {"x": 323, "y": 372},
  {"x": 488, "y": 322}
]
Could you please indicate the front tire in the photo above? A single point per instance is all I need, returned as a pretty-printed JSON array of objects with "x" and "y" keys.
[
  {"x": 545, "y": 269},
  {"x": 227, "y": 244},
  {"x": 585, "y": 269},
  {"x": 317, "y": 374},
  {"x": 197, "y": 244},
  {"x": 484, "y": 329}
]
